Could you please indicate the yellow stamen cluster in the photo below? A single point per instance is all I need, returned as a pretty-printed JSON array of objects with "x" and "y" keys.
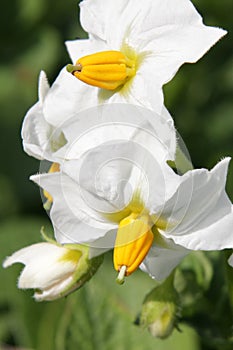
[
  {"x": 107, "y": 69},
  {"x": 133, "y": 241}
]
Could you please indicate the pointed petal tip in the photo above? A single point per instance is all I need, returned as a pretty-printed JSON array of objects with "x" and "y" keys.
[
  {"x": 43, "y": 86},
  {"x": 42, "y": 75},
  {"x": 7, "y": 262},
  {"x": 223, "y": 163},
  {"x": 11, "y": 260},
  {"x": 35, "y": 178}
]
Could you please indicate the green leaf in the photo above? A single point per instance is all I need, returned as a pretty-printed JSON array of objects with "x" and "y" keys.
[{"x": 101, "y": 316}]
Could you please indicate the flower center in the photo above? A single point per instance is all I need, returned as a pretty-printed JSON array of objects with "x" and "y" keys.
[
  {"x": 107, "y": 69},
  {"x": 133, "y": 241}
]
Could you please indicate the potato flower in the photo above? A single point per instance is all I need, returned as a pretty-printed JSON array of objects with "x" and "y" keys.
[
  {"x": 134, "y": 48},
  {"x": 123, "y": 195}
]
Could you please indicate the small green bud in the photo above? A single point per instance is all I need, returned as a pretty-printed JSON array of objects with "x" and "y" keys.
[{"x": 160, "y": 309}]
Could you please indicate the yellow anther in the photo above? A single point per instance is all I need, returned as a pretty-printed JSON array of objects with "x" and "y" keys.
[
  {"x": 107, "y": 69},
  {"x": 133, "y": 241},
  {"x": 55, "y": 167}
]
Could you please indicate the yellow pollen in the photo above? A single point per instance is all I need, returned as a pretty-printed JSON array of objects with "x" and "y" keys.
[
  {"x": 107, "y": 69},
  {"x": 55, "y": 167},
  {"x": 133, "y": 241}
]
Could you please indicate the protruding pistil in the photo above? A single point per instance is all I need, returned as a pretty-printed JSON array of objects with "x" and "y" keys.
[
  {"x": 73, "y": 68},
  {"x": 121, "y": 276}
]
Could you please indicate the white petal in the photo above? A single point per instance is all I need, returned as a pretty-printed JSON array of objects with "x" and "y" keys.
[
  {"x": 54, "y": 291},
  {"x": 109, "y": 167},
  {"x": 173, "y": 46},
  {"x": 35, "y": 132},
  {"x": 43, "y": 86},
  {"x": 161, "y": 260},
  {"x": 42, "y": 267},
  {"x": 164, "y": 12},
  {"x": 101, "y": 18},
  {"x": 200, "y": 213},
  {"x": 118, "y": 169},
  {"x": 168, "y": 32},
  {"x": 67, "y": 96},
  {"x": 40, "y": 139},
  {"x": 72, "y": 213},
  {"x": 150, "y": 141},
  {"x": 146, "y": 90},
  {"x": 84, "y": 47},
  {"x": 93, "y": 15},
  {"x": 103, "y": 244},
  {"x": 117, "y": 122}
]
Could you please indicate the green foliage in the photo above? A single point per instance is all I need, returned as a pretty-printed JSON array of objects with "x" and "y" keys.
[
  {"x": 204, "y": 282},
  {"x": 99, "y": 316}
]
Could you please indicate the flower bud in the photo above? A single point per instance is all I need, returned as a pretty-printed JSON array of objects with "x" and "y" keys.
[
  {"x": 160, "y": 310},
  {"x": 54, "y": 270}
]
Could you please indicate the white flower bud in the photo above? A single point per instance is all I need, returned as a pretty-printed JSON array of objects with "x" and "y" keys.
[{"x": 53, "y": 270}]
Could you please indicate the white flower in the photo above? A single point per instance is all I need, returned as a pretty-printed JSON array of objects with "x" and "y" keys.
[
  {"x": 140, "y": 45},
  {"x": 122, "y": 195},
  {"x": 53, "y": 270}
]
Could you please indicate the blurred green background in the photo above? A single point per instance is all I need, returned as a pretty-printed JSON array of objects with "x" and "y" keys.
[{"x": 200, "y": 98}]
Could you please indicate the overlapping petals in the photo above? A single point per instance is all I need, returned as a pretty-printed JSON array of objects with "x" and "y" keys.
[
  {"x": 113, "y": 146},
  {"x": 40, "y": 139},
  {"x": 91, "y": 195},
  {"x": 162, "y": 36}
]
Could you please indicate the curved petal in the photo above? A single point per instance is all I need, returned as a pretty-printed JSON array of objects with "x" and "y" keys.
[
  {"x": 67, "y": 96},
  {"x": 72, "y": 213},
  {"x": 103, "y": 244},
  {"x": 40, "y": 139},
  {"x": 54, "y": 291},
  {"x": 161, "y": 260},
  {"x": 83, "y": 47},
  {"x": 35, "y": 132},
  {"x": 167, "y": 33},
  {"x": 107, "y": 19},
  {"x": 172, "y": 46},
  {"x": 118, "y": 122},
  {"x": 145, "y": 90},
  {"x": 111, "y": 184},
  {"x": 43, "y": 86},
  {"x": 164, "y": 12},
  {"x": 200, "y": 215},
  {"x": 119, "y": 169},
  {"x": 42, "y": 267},
  {"x": 117, "y": 19}
]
